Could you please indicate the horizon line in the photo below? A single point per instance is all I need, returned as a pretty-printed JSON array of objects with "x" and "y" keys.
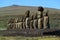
[{"x": 26, "y": 6}]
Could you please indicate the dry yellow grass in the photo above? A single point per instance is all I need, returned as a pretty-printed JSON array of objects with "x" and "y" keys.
[{"x": 30, "y": 38}]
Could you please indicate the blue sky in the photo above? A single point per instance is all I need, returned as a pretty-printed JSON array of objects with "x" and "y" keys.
[{"x": 44, "y": 3}]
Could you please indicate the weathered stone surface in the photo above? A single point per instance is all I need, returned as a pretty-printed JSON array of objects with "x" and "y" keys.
[
  {"x": 11, "y": 26},
  {"x": 38, "y": 14},
  {"x": 31, "y": 24},
  {"x": 19, "y": 25},
  {"x": 45, "y": 22},
  {"x": 27, "y": 21},
  {"x": 35, "y": 23},
  {"x": 39, "y": 23},
  {"x": 40, "y": 18},
  {"x": 24, "y": 25}
]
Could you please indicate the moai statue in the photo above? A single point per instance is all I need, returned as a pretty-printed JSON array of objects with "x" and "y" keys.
[
  {"x": 11, "y": 23},
  {"x": 27, "y": 21},
  {"x": 19, "y": 23},
  {"x": 9, "y": 27},
  {"x": 40, "y": 17},
  {"x": 24, "y": 25},
  {"x": 35, "y": 21},
  {"x": 15, "y": 22},
  {"x": 31, "y": 22},
  {"x": 46, "y": 21}
]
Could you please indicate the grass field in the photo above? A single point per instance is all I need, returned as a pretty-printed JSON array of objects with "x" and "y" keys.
[{"x": 30, "y": 38}]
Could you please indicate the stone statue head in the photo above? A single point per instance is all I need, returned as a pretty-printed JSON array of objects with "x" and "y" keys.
[
  {"x": 27, "y": 13},
  {"x": 40, "y": 9}
]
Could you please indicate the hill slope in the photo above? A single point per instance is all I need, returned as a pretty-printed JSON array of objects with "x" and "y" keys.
[{"x": 16, "y": 10}]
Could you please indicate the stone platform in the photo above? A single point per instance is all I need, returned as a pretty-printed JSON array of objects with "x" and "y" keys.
[{"x": 30, "y": 32}]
